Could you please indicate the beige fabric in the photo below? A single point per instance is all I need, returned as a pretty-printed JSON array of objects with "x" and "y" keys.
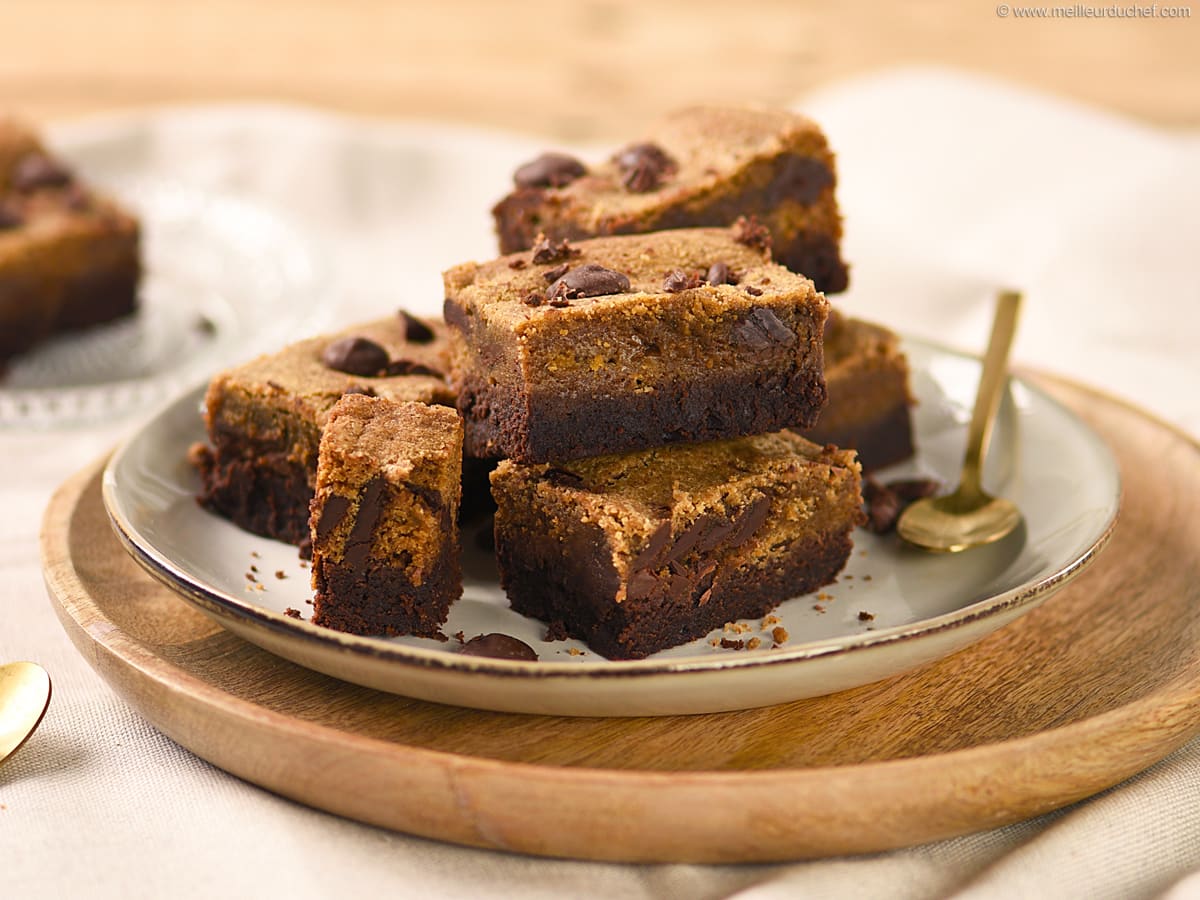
[{"x": 951, "y": 187}]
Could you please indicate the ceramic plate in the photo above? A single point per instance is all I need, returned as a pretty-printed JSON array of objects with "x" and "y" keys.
[
  {"x": 224, "y": 279},
  {"x": 893, "y": 608}
]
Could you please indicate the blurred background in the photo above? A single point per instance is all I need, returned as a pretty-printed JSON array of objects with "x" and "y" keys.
[{"x": 586, "y": 70}]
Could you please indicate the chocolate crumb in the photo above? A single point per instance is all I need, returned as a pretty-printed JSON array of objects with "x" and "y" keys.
[
  {"x": 280, "y": 574},
  {"x": 549, "y": 170},
  {"x": 254, "y": 569},
  {"x": 305, "y": 548},
  {"x": 556, "y": 273},
  {"x": 415, "y": 331},
  {"x": 779, "y": 634},
  {"x": 752, "y": 233},
  {"x": 718, "y": 273},
  {"x": 534, "y": 298},
  {"x": 864, "y": 616},
  {"x": 460, "y": 637},
  {"x": 546, "y": 251},
  {"x": 818, "y": 607},
  {"x": 250, "y": 577},
  {"x": 559, "y": 302},
  {"x": 678, "y": 280},
  {"x": 292, "y": 613},
  {"x": 727, "y": 644},
  {"x": 883, "y": 506},
  {"x": 202, "y": 324}
]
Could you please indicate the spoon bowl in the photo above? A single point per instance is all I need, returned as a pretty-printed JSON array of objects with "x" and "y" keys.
[
  {"x": 970, "y": 517},
  {"x": 24, "y": 697}
]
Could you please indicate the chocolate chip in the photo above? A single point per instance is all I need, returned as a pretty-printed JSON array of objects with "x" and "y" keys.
[
  {"x": 408, "y": 367},
  {"x": 753, "y": 291},
  {"x": 10, "y": 217},
  {"x": 589, "y": 280},
  {"x": 360, "y": 389},
  {"x": 549, "y": 170},
  {"x": 883, "y": 506},
  {"x": 498, "y": 646},
  {"x": 655, "y": 545},
  {"x": 864, "y": 616},
  {"x": 556, "y": 273},
  {"x": 718, "y": 273},
  {"x": 547, "y": 251},
  {"x": 370, "y": 510},
  {"x": 355, "y": 356},
  {"x": 517, "y": 263},
  {"x": 415, "y": 331},
  {"x": 332, "y": 513},
  {"x": 762, "y": 329},
  {"x": 678, "y": 280},
  {"x": 36, "y": 170},
  {"x": 643, "y": 167},
  {"x": 752, "y": 233},
  {"x": 534, "y": 298}
]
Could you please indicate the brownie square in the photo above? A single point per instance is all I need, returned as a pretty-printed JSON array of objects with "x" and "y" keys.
[
  {"x": 698, "y": 166},
  {"x": 69, "y": 257},
  {"x": 637, "y": 552},
  {"x": 264, "y": 418},
  {"x": 869, "y": 408},
  {"x": 385, "y": 557},
  {"x": 624, "y": 343}
]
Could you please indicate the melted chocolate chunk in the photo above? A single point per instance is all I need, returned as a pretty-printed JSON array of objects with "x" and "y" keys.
[
  {"x": 799, "y": 178},
  {"x": 752, "y": 233},
  {"x": 498, "y": 646},
  {"x": 355, "y": 356},
  {"x": 718, "y": 273},
  {"x": 408, "y": 367},
  {"x": 332, "y": 513},
  {"x": 370, "y": 510},
  {"x": 546, "y": 251},
  {"x": 415, "y": 330},
  {"x": 549, "y": 170},
  {"x": 644, "y": 167},
  {"x": 762, "y": 329},
  {"x": 589, "y": 280},
  {"x": 36, "y": 170},
  {"x": 678, "y": 280}
]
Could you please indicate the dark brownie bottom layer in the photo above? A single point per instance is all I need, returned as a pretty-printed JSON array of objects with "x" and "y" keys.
[
  {"x": 267, "y": 494},
  {"x": 542, "y": 584},
  {"x": 880, "y": 442},
  {"x": 816, "y": 256},
  {"x": 99, "y": 296},
  {"x": 381, "y": 600},
  {"x": 562, "y": 428}
]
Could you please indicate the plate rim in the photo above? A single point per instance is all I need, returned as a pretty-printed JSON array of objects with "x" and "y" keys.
[{"x": 1022, "y": 597}]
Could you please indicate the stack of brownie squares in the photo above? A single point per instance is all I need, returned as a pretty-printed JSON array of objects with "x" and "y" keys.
[{"x": 653, "y": 370}]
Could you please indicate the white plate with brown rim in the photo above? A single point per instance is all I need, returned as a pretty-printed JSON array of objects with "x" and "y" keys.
[{"x": 892, "y": 609}]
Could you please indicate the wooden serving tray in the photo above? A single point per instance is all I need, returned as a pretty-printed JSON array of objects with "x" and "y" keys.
[{"x": 1090, "y": 688}]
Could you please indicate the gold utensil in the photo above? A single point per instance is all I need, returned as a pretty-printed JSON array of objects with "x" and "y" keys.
[
  {"x": 24, "y": 696},
  {"x": 969, "y": 516}
]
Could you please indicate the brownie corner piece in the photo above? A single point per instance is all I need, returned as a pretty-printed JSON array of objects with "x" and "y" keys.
[
  {"x": 69, "y": 256},
  {"x": 613, "y": 344},
  {"x": 264, "y": 417},
  {"x": 698, "y": 166},
  {"x": 385, "y": 554},
  {"x": 638, "y": 552}
]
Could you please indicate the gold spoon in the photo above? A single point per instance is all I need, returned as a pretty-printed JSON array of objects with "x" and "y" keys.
[
  {"x": 969, "y": 516},
  {"x": 24, "y": 696}
]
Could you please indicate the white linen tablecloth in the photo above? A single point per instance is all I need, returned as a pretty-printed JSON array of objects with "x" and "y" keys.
[{"x": 951, "y": 186}]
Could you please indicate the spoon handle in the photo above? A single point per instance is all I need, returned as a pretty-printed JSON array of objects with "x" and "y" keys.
[{"x": 991, "y": 384}]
